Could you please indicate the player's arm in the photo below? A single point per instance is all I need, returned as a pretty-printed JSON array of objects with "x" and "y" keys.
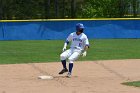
[
  {"x": 86, "y": 47},
  {"x": 67, "y": 42},
  {"x": 65, "y": 45},
  {"x": 85, "y": 50}
]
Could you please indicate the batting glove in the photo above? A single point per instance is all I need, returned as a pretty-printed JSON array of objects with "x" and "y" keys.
[
  {"x": 64, "y": 48},
  {"x": 84, "y": 53}
]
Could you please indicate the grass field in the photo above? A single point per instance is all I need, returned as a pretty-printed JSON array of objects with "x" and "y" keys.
[
  {"x": 134, "y": 83},
  {"x": 12, "y": 52}
]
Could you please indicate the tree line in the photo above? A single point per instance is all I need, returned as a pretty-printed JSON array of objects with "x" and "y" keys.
[{"x": 47, "y": 9}]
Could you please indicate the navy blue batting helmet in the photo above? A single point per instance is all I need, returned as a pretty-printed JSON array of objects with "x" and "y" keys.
[{"x": 79, "y": 27}]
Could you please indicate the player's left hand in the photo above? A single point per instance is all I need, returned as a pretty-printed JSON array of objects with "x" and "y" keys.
[{"x": 84, "y": 53}]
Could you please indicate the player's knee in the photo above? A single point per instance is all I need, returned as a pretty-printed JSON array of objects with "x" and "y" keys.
[
  {"x": 62, "y": 57},
  {"x": 71, "y": 60}
]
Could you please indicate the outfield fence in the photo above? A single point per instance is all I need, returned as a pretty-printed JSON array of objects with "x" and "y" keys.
[{"x": 57, "y": 29}]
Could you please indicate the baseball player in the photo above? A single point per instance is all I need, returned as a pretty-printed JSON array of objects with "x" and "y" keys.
[{"x": 79, "y": 46}]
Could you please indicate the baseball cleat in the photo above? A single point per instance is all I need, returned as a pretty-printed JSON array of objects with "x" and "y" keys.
[
  {"x": 68, "y": 75},
  {"x": 63, "y": 71}
]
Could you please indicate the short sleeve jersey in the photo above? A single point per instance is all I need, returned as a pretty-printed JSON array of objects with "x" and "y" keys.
[{"x": 78, "y": 41}]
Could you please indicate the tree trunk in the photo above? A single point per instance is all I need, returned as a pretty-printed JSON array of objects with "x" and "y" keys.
[
  {"x": 134, "y": 8},
  {"x": 1, "y": 10},
  {"x": 63, "y": 6},
  {"x": 73, "y": 8},
  {"x": 47, "y": 8},
  {"x": 121, "y": 8},
  {"x": 56, "y": 9}
]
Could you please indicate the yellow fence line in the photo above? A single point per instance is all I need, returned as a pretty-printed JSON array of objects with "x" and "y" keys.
[{"x": 37, "y": 20}]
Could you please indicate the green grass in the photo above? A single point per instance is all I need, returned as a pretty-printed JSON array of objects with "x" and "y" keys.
[
  {"x": 134, "y": 83},
  {"x": 12, "y": 52}
]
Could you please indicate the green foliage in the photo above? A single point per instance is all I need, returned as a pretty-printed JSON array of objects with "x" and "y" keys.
[
  {"x": 21, "y": 9},
  {"x": 40, "y": 9},
  {"x": 107, "y": 8}
]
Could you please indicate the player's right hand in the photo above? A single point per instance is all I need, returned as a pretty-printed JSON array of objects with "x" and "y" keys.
[{"x": 64, "y": 48}]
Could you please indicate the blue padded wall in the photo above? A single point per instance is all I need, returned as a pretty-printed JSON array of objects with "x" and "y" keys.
[{"x": 53, "y": 30}]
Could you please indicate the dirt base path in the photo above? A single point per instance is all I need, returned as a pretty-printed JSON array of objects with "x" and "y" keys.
[{"x": 88, "y": 77}]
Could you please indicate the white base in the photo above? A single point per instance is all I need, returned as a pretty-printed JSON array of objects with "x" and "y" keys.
[{"x": 45, "y": 77}]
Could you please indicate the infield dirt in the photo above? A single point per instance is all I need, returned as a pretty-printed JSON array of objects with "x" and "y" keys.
[{"x": 88, "y": 77}]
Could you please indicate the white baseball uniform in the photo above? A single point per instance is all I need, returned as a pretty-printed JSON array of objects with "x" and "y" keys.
[{"x": 78, "y": 43}]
